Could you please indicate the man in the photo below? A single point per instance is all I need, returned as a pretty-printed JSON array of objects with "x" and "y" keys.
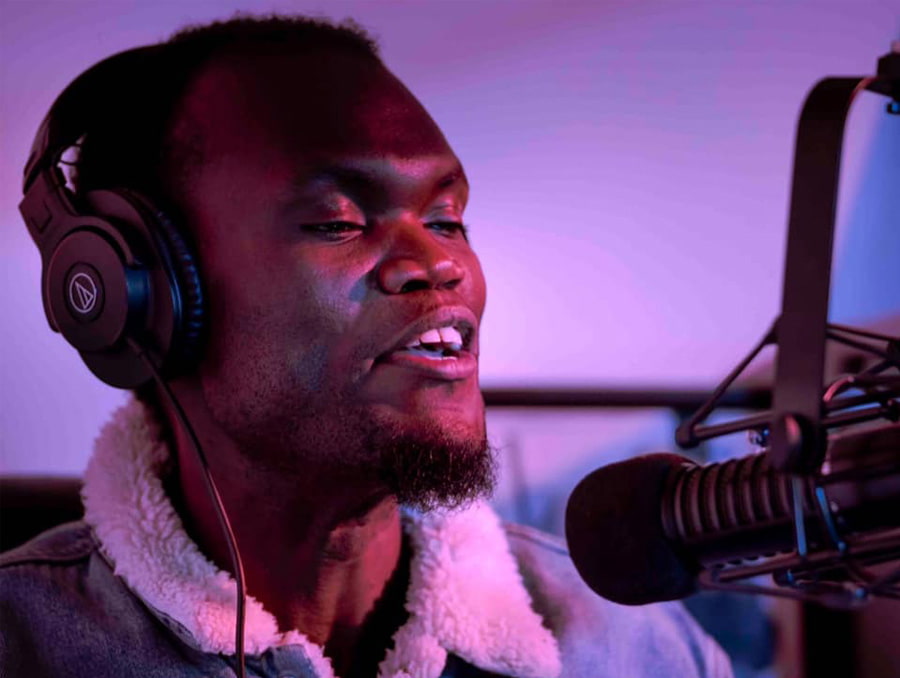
[{"x": 336, "y": 399}]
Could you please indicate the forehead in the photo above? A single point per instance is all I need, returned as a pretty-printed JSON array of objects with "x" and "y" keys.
[{"x": 276, "y": 108}]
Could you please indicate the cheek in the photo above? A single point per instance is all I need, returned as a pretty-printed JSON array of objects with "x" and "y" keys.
[
  {"x": 286, "y": 325},
  {"x": 478, "y": 285}
]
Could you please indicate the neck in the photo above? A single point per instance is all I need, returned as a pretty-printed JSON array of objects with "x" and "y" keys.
[{"x": 322, "y": 557}]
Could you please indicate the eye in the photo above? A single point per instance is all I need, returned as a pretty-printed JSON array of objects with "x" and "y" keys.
[
  {"x": 450, "y": 228},
  {"x": 333, "y": 230}
]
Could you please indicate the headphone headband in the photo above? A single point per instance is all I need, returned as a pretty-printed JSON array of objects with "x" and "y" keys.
[
  {"x": 116, "y": 272},
  {"x": 82, "y": 101}
]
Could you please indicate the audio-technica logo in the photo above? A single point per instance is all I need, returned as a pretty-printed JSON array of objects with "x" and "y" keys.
[{"x": 82, "y": 293}]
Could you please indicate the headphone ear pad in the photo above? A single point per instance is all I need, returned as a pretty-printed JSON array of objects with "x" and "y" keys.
[
  {"x": 177, "y": 257},
  {"x": 188, "y": 340}
]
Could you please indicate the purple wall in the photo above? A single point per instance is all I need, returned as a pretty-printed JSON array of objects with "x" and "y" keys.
[{"x": 630, "y": 167}]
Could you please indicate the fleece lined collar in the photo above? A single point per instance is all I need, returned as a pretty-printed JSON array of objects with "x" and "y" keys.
[{"x": 465, "y": 595}]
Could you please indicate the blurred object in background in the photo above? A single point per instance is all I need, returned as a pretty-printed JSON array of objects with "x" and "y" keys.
[{"x": 544, "y": 452}]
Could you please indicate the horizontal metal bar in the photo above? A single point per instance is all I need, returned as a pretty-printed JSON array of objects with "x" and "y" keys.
[
  {"x": 708, "y": 431},
  {"x": 558, "y": 397},
  {"x": 865, "y": 548}
]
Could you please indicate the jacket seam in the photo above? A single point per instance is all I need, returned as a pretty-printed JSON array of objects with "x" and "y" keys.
[
  {"x": 50, "y": 551},
  {"x": 545, "y": 541}
]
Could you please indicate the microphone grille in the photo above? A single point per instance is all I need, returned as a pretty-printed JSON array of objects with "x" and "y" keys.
[{"x": 615, "y": 533}]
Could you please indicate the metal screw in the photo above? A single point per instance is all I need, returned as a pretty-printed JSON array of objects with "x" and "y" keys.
[{"x": 759, "y": 437}]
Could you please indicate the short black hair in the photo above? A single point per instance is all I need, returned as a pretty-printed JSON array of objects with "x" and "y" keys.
[{"x": 129, "y": 143}]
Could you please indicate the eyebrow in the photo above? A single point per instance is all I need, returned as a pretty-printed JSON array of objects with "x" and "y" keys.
[{"x": 362, "y": 181}]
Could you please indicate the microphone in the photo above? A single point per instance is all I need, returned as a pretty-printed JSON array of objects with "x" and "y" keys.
[
  {"x": 812, "y": 511},
  {"x": 654, "y": 528}
]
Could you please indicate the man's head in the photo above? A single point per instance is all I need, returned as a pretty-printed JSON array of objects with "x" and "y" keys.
[{"x": 326, "y": 209}]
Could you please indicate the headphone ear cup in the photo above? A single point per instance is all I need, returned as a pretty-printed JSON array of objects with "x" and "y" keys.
[
  {"x": 91, "y": 293},
  {"x": 167, "y": 317}
]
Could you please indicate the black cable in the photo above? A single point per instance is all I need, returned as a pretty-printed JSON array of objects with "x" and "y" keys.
[
  {"x": 215, "y": 498},
  {"x": 885, "y": 355},
  {"x": 686, "y": 434},
  {"x": 860, "y": 332}
]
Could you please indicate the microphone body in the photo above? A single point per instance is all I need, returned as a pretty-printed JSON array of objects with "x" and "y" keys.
[{"x": 642, "y": 530}]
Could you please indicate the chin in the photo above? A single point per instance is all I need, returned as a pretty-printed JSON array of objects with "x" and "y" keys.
[
  {"x": 438, "y": 460},
  {"x": 447, "y": 420}
]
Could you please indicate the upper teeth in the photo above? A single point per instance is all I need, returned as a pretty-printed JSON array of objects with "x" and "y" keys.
[{"x": 449, "y": 336}]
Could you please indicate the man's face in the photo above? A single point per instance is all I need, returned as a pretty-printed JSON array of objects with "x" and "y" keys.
[{"x": 345, "y": 298}]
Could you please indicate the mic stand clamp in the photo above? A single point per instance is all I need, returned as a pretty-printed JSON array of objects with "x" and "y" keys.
[{"x": 795, "y": 430}]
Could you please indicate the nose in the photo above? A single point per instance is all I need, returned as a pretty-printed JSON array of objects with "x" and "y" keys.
[{"x": 417, "y": 260}]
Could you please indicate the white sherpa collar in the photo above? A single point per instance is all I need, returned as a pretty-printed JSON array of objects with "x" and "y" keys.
[{"x": 465, "y": 596}]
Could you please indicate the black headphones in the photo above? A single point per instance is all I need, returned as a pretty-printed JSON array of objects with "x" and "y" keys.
[{"x": 116, "y": 272}]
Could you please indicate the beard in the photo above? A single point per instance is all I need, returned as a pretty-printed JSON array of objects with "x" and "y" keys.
[
  {"x": 429, "y": 469},
  {"x": 425, "y": 465}
]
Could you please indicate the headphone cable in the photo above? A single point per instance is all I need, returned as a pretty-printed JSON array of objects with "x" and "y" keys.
[{"x": 216, "y": 499}]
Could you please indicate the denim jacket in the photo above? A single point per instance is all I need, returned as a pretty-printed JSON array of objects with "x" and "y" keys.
[{"x": 126, "y": 593}]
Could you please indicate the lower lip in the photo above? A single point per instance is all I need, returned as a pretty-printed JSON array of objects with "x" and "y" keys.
[{"x": 462, "y": 366}]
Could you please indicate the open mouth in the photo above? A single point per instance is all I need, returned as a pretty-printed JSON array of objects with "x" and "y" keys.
[
  {"x": 442, "y": 351},
  {"x": 442, "y": 343}
]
